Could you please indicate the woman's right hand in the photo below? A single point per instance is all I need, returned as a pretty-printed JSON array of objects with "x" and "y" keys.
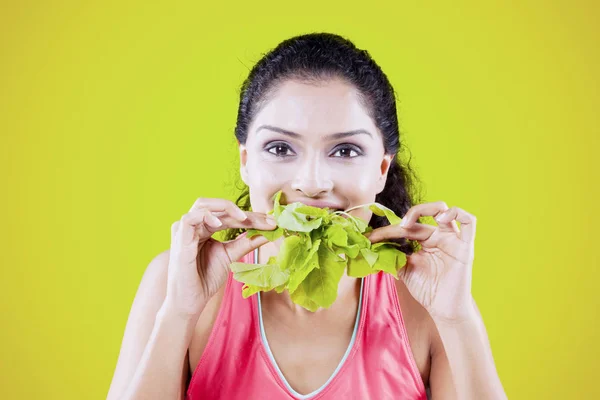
[{"x": 199, "y": 264}]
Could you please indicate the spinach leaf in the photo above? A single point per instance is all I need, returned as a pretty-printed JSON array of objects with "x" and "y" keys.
[{"x": 318, "y": 246}]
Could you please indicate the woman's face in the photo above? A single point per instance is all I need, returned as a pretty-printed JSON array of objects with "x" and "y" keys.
[{"x": 318, "y": 145}]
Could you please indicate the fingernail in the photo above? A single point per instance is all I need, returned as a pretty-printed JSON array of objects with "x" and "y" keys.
[
  {"x": 271, "y": 221},
  {"x": 404, "y": 222}
]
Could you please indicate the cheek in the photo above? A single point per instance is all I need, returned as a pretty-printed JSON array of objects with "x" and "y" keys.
[
  {"x": 359, "y": 183},
  {"x": 359, "y": 187},
  {"x": 267, "y": 176},
  {"x": 264, "y": 180}
]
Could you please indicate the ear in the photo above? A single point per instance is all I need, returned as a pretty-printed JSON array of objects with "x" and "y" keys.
[
  {"x": 243, "y": 161},
  {"x": 386, "y": 163}
]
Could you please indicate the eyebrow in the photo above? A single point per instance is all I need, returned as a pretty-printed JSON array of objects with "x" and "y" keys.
[{"x": 334, "y": 136}]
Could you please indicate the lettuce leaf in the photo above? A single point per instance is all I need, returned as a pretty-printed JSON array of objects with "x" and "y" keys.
[{"x": 319, "y": 245}]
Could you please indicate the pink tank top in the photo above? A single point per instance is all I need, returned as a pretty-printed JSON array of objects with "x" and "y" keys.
[{"x": 238, "y": 364}]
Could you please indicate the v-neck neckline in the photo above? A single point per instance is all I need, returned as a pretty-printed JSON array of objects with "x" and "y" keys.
[{"x": 342, "y": 362}]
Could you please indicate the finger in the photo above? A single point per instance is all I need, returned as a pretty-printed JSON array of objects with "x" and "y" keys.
[
  {"x": 205, "y": 224},
  {"x": 219, "y": 206},
  {"x": 420, "y": 232},
  {"x": 242, "y": 245},
  {"x": 198, "y": 221},
  {"x": 421, "y": 210},
  {"x": 467, "y": 221},
  {"x": 231, "y": 215},
  {"x": 174, "y": 228},
  {"x": 253, "y": 220},
  {"x": 432, "y": 209}
]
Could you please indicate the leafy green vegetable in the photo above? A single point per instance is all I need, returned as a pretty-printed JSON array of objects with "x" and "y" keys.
[{"x": 318, "y": 246}]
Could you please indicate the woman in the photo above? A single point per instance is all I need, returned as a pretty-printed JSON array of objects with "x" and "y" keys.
[{"x": 317, "y": 120}]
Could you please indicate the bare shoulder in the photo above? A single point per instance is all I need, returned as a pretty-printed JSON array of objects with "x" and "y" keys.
[
  {"x": 156, "y": 275},
  {"x": 148, "y": 300},
  {"x": 205, "y": 321},
  {"x": 420, "y": 328},
  {"x": 157, "y": 272}
]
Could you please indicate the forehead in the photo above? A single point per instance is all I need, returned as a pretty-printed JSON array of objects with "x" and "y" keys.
[{"x": 331, "y": 106}]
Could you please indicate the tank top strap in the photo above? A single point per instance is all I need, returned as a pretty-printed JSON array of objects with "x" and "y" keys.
[
  {"x": 386, "y": 324},
  {"x": 231, "y": 343}
]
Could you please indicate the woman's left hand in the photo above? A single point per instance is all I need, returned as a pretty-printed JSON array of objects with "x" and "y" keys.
[{"x": 439, "y": 275}]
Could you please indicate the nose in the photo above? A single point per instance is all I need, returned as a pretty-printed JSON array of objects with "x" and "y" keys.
[{"x": 312, "y": 180}]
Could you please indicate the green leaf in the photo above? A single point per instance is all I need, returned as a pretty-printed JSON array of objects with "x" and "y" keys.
[
  {"x": 360, "y": 224},
  {"x": 370, "y": 256},
  {"x": 249, "y": 290},
  {"x": 401, "y": 260},
  {"x": 381, "y": 210},
  {"x": 387, "y": 259},
  {"x": 295, "y": 221},
  {"x": 280, "y": 288},
  {"x": 301, "y": 298},
  {"x": 277, "y": 207},
  {"x": 379, "y": 244},
  {"x": 358, "y": 267},
  {"x": 359, "y": 239},
  {"x": 299, "y": 274},
  {"x": 390, "y": 258},
  {"x": 292, "y": 252},
  {"x": 262, "y": 275},
  {"x": 337, "y": 219},
  {"x": 315, "y": 212},
  {"x": 320, "y": 286},
  {"x": 336, "y": 235},
  {"x": 351, "y": 251},
  {"x": 318, "y": 246},
  {"x": 270, "y": 235}
]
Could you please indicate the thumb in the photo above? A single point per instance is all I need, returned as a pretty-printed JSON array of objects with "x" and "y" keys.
[{"x": 242, "y": 245}]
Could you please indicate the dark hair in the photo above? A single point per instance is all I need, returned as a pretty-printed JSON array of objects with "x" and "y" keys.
[{"x": 314, "y": 58}]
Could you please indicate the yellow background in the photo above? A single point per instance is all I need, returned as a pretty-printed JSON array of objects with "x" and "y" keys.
[{"x": 115, "y": 116}]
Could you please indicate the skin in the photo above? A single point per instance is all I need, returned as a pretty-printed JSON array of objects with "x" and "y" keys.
[{"x": 308, "y": 165}]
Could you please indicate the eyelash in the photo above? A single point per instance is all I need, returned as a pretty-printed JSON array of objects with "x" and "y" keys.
[{"x": 341, "y": 147}]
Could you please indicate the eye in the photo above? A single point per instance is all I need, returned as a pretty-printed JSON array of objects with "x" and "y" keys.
[
  {"x": 280, "y": 150},
  {"x": 348, "y": 149}
]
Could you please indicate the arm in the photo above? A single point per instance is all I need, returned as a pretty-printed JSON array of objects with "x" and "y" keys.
[
  {"x": 153, "y": 360},
  {"x": 160, "y": 372},
  {"x": 462, "y": 363}
]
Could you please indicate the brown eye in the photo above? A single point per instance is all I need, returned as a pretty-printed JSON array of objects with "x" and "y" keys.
[
  {"x": 347, "y": 151},
  {"x": 280, "y": 150}
]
